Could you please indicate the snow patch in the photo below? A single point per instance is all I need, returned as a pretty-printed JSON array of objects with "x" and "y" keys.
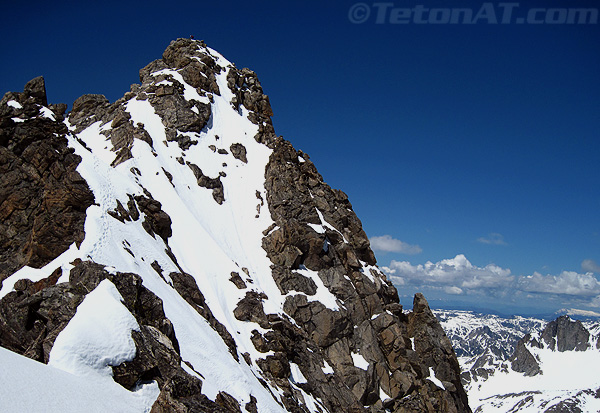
[
  {"x": 98, "y": 336},
  {"x": 359, "y": 361},
  {"x": 296, "y": 375},
  {"x": 432, "y": 378},
  {"x": 366, "y": 270},
  {"x": 326, "y": 224},
  {"x": 327, "y": 369},
  {"x": 323, "y": 295},
  {"x": 14, "y": 104},
  {"x": 383, "y": 395},
  {"x": 37, "y": 274},
  {"x": 317, "y": 227},
  {"x": 47, "y": 113}
]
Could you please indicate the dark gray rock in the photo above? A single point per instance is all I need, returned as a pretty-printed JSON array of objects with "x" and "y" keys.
[
  {"x": 434, "y": 350},
  {"x": 156, "y": 221},
  {"x": 36, "y": 89},
  {"x": 228, "y": 402},
  {"x": 563, "y": 334},
  {"x": 295, "y": 191},
  {"x": 250, "y": 308},
  {"x": 210, "y": 183},
  {"x": 239, "y": 152},
  {"x": 183, "y": 394},
  {"x": 237, "y": 280},
  {"x": 88, "y": 109},
  {"x": 288, "y": 280},
  {"x": 187, "y": 287},
  {"x": 523, "y": 361}
]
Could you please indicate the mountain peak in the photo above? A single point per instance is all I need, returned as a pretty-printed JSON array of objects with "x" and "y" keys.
[
  {"x": 564, "y": 334},
  {"x": 235, "y": 276}
]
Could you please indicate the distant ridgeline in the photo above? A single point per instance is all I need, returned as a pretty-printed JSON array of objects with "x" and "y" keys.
[
  {"x": 168, "y": 252},
  {"x": 526, "y": 364}
]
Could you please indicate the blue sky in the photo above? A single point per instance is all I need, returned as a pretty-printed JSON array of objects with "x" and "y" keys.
[{"x": 475, "y": 141}]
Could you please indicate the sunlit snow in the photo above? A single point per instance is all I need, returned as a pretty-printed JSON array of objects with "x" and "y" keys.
[
  {"x": 359, "y": 361},
  {"x": 14, "y": 104},
  {"x": 29, "y": 386},
  {"x": 434, "y": 379},
  {"x": 98, "y": 336}
]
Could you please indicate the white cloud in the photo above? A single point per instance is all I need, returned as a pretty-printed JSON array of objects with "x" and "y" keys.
[
  {"x": 386, "y": 243},
  {"x": 567, "y": 282},
  {"x": 590, "y": 266},
  {"x": 453, "y": 290},
  {"x": 493, "y": 238},
  {"x": 458, "y": 276},
  {"x": 457, "y": 273}
]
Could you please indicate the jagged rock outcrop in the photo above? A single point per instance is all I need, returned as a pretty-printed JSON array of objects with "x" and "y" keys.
[
  {"x": 42, "y": 197},
  {"x": 33, "y": 315},
  {"x": 564, "y": 334},
  {"x": 523, "y": 361},
  {"x": 217, "y": 233}
]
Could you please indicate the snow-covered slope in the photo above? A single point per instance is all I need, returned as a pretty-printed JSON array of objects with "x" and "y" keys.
[
  {"x": 172, "y": 243},
  {"x": 55, "y": 390},
  {"x": 209, "y": 241},
  {"x": 526, "y": 364}
]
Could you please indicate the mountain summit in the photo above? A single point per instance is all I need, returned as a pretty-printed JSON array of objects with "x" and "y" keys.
[{"x": 169, "y": 252}]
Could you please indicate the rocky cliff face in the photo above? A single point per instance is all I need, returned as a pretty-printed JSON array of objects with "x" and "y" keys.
[
  {"x": 250, "y": 283},
  {"x": 42, "y": 197}
]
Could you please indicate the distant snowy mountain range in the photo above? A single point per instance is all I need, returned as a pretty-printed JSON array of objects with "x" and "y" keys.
[{"x": 525, "y": 364}]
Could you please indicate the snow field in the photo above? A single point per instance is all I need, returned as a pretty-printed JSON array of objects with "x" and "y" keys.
[{"x": 59, "y": 391}]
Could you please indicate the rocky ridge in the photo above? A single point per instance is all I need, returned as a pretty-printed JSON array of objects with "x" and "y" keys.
[{"x": 182, "y": 196}]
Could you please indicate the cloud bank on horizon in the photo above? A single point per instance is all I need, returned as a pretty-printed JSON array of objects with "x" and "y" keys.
[{"x": 459, "y": 277}]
